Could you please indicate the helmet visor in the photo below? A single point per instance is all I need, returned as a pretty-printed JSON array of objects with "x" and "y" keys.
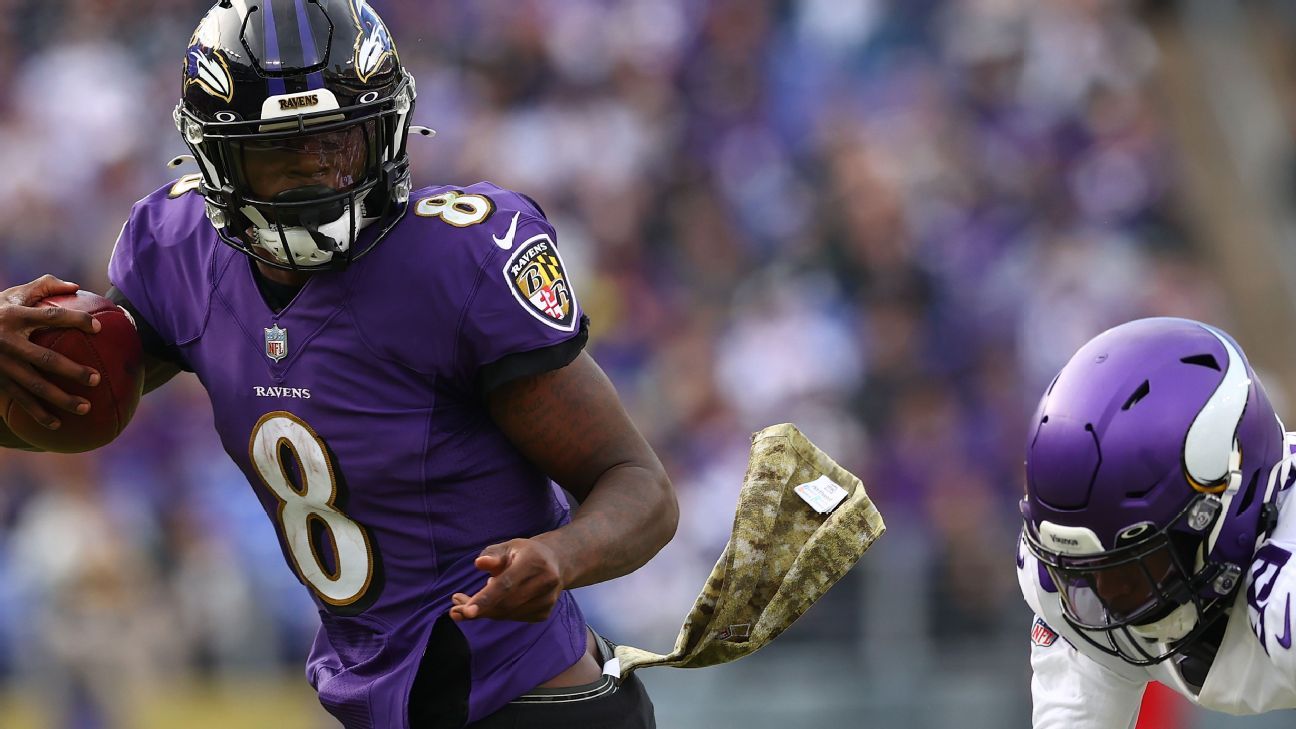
[
  {"x": 1139, "y": 588},
  {"x": 339, "y": 160}
]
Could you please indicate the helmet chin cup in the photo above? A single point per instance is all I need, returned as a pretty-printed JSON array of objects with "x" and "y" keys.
[
  {"x": 1172, "y": 627},
  {"x": 301, "y": 233}
]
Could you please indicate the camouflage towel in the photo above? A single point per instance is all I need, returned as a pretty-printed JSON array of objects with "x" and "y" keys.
[{"x": 782, "y": 556}]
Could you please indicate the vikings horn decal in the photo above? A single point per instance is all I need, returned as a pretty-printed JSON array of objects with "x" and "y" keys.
[
  {"x": 374, "y": 44},
  {"x": 1208, "y": 448},
  {"x": 204, "y": 65}
]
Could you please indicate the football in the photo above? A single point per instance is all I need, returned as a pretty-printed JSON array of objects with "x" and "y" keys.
[{"x": 115, "y": 353}]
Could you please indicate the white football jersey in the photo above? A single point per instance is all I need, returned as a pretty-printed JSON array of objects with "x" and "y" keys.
[{"x": 1076, "y": 686}]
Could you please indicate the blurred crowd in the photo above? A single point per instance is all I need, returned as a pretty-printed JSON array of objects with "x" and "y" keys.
[{"x": 888, "y": 222}]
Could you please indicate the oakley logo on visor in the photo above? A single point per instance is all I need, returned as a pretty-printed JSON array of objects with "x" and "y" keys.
[{"x": 1132, "y": 533}]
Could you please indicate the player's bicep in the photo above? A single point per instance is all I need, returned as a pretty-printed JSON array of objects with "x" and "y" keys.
[
  {"x": 571, "y": 424},
  {"x": 1071, "y": 691}
]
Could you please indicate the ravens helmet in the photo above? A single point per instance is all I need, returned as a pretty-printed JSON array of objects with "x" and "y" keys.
[{"x": 297, "y": 113}]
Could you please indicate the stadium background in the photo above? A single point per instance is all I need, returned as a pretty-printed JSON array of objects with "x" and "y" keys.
[{"x": 889, "y": 222}]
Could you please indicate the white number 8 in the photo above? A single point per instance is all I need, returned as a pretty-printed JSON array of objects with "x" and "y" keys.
[
  {"x": 312, "y": 503},
  {"x": 456, "y": 208}
]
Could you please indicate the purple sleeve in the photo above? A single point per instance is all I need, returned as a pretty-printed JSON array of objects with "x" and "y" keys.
[
  {"x": 160, "y": 264},
  {"x": 124, "y": 270},
  {"x": 522, "y": 301}
]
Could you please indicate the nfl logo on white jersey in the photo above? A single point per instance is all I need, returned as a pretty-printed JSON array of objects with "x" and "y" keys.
[
  {"x": 1042, "y": 635},
  {"x": 276, "y": 340}
]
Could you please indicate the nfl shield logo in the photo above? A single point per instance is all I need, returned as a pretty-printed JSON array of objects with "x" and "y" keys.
[
  {"x": 276, "y": 343},
  {"x": 1042, "y": 635}
]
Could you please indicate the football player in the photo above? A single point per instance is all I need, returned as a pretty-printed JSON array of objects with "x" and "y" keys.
[
  {"x": 398, "y": 372},
  {"x": 1158, "y": 530}
]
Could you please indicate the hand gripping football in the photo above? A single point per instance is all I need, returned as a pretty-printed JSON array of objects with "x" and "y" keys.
[{"x": 115, "y": 353}]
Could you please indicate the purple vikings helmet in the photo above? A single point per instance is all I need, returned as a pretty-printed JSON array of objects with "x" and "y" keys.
[
  {"x": 1150, "y": 478},
  {"x": 311, "y": 82}
]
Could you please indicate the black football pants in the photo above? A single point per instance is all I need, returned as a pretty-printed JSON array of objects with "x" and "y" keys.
[
  {"x": 439, "y": 699},
  {"x": 600, "y": 705}
]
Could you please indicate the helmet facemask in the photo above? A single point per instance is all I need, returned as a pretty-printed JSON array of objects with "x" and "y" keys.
[
  {"x": 296, "y": 194},
  {"x": 1148, "y": 599}
]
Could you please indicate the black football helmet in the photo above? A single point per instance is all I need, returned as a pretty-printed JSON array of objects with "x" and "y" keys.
[{"x": 298, "y": 114}]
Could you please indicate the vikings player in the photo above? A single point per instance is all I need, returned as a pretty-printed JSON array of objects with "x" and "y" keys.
[
  {"x": 1158, "y": 530},
  {"x": 397, "y": 371}
]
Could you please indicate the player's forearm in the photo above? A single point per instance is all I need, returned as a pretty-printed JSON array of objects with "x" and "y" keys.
[
  {"x": 570, "y": 423},
  {"x": 629, "y": 515}
]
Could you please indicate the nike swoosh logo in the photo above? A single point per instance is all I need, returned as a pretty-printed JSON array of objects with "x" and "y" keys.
[
  {"x": 1286, "y": 639},
  {"x": 507, "y": 241}
]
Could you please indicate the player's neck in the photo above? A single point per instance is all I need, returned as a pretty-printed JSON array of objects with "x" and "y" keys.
[{"x": 280, "y": 276}]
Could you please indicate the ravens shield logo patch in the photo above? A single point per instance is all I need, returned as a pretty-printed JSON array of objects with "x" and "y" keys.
[{"x": 538, "y": 280}]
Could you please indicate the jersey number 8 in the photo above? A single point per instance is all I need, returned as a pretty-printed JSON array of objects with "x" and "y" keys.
[
  {"x": 456, "y": 208},
  {"x": 307, "y": 514}
]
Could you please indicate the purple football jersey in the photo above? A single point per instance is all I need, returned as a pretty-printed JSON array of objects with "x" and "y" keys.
[{"x": 356, "y": 414}]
